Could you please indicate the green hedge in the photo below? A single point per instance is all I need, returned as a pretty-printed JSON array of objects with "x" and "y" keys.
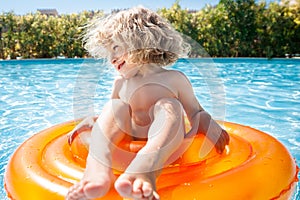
[
  {"x": 241, "y": 28},
  {"x": 41, "y": 36},
  {"x": 233, "y": 28}
]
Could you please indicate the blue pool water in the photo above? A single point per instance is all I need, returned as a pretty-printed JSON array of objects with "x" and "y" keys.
[{"x": 37, "y": 94}]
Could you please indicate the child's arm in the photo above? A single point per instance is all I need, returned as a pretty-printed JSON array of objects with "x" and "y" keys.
[
  {"x": 201, "y": 121},
  {"x": 85, "y": 125},
  {"x": 204, "y": 124}
]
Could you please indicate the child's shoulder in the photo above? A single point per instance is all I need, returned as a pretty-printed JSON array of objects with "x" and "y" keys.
[
  {"x": 180, "y": 78},
  {"x": 176, "y": 73}
]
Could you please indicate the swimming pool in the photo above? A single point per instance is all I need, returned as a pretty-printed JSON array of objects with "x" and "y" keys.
[{"x": 36, "y": 94}]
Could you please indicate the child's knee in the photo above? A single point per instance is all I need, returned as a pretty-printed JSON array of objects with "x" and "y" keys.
[{"x": 118, "y": 114}]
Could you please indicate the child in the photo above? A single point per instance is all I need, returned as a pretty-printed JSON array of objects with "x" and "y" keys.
[{"x": 147, "y": 102}]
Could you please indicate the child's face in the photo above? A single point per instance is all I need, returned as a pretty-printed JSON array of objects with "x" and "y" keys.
[{"x": 119, "y": 59}]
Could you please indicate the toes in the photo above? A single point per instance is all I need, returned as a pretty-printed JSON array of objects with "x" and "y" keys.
[
  {"x": 143, "y": 190},
  {"x": 75, "y": 192},
  {"x": 137, "y": 189},
  {"x": 147, "y": 189},
  {"x": 94, "y": 190},
  {"x": 124, "y": 187}
]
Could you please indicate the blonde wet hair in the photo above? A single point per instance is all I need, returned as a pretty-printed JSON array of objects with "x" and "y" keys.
[{"x": 145, "y": 36}]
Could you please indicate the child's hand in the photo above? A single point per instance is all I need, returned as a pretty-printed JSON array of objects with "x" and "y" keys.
[
  {"x": 219, "y": 138},
  {"x": 85, "y": 125},
  {"x": 222, "y": 141}
]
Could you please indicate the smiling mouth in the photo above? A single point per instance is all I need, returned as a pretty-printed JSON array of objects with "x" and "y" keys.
[{"x": 121, "y": 65}]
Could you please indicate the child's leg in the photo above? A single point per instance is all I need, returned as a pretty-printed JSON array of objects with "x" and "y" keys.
[
  {"x": 165, "y": 136},
  {"x": 109, "y": 129}
]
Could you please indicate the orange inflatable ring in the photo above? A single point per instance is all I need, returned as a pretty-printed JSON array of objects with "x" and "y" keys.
[{"x": 254, "y": 166}]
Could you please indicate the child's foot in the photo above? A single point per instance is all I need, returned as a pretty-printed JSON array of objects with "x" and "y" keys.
[
  {"x": 96, "y": 182},
  {"x": 87, "y": 190},
  {"x": 137, "y": 186}
]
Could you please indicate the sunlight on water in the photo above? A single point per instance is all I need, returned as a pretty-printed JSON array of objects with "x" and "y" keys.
[{"x": 40, "y": 93}]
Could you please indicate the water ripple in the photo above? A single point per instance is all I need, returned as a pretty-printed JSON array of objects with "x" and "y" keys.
[{"x": 40, "y": 93}]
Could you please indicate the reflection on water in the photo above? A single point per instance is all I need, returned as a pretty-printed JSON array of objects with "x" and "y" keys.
[{"x": 40, "y": 93}]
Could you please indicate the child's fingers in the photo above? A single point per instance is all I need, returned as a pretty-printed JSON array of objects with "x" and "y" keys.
[
  {"x": 222, "y": 141},
  {"x": 220, "y": 145},
  {"x": 85, "y": 125},
  {"x": 77, "y": 131},
  {"x": 71, "y": 136},
  {"x": 226, "y": 135}
]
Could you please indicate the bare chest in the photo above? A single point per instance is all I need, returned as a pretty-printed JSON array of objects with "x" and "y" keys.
[{"x": 141, "y": 95}]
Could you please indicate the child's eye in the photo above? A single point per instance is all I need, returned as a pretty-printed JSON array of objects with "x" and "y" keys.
[{"x": 115, "y": 47}]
